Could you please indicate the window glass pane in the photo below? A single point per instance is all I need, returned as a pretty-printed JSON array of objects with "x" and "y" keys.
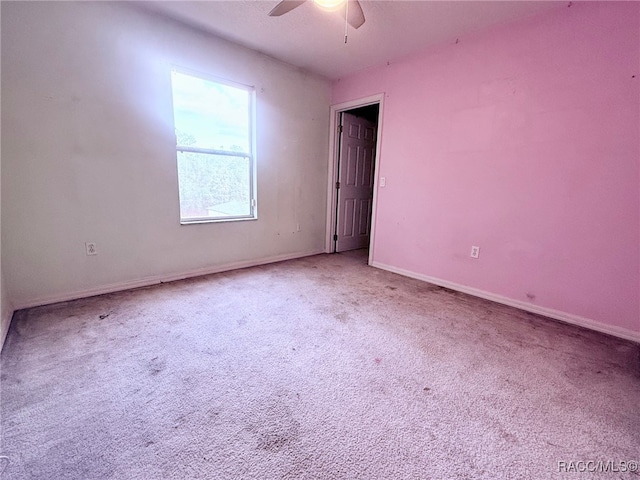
[
  {"x": 210, "y": 115},
  {"x": 213, "y": 185}
]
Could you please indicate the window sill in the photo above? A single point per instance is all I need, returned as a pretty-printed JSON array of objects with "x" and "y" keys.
[{"x": 216, "y": 220}]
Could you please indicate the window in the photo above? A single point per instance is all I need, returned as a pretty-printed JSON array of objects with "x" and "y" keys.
[{"x": 213, "y": 121}]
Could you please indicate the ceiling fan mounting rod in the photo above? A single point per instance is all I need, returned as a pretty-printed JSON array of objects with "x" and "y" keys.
[{"x": 346, "y": 22}]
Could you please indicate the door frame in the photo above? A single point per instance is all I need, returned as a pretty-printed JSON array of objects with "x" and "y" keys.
[{"x": 332, "y": 178}]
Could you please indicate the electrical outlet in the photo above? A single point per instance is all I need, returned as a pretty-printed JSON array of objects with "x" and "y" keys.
[
  {"x": 383, "y": 182},
  {"x": 298, "y": 228},
  {"x": 475, "y": 252},
  {"x": 91, "y": 248}
]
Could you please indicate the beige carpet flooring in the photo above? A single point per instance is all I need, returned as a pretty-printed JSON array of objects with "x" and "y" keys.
[{"x": 317, "y": 368}]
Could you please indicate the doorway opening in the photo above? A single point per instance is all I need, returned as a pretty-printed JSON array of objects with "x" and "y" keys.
[{"x": 352, "y": 179}]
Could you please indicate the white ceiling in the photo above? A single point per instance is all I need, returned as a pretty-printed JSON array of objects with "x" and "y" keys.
[{"x": 313, "y": 39}]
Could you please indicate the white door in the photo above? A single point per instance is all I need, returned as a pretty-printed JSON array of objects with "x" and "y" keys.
[{"x": 355, "y": 182}]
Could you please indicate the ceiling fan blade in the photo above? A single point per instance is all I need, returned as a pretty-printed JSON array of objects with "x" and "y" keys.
[
  {"x": 356, "y": 15},
  {"x": 285, "y": 6}
]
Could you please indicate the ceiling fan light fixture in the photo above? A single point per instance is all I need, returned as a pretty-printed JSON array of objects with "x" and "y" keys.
[{"x": 329, "y": 4}]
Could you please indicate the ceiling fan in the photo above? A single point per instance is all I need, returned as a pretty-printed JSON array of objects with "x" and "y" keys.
[{"x": 352, "y": 10}]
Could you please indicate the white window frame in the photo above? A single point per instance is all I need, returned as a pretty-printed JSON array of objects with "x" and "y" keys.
[{"x": 250, "y": 155}]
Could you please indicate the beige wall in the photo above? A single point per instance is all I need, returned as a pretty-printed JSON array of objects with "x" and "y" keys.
[{"x": 88, "y": 152}]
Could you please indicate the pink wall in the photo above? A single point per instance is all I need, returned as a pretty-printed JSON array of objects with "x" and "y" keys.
[{"x": 524, "y": 140}]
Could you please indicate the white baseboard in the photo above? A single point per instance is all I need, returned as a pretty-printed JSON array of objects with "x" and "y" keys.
[
  {"x": 156, "y": 279},
  {"x": 547, "y": 312},
  {"x": 5, "y": 322}
]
